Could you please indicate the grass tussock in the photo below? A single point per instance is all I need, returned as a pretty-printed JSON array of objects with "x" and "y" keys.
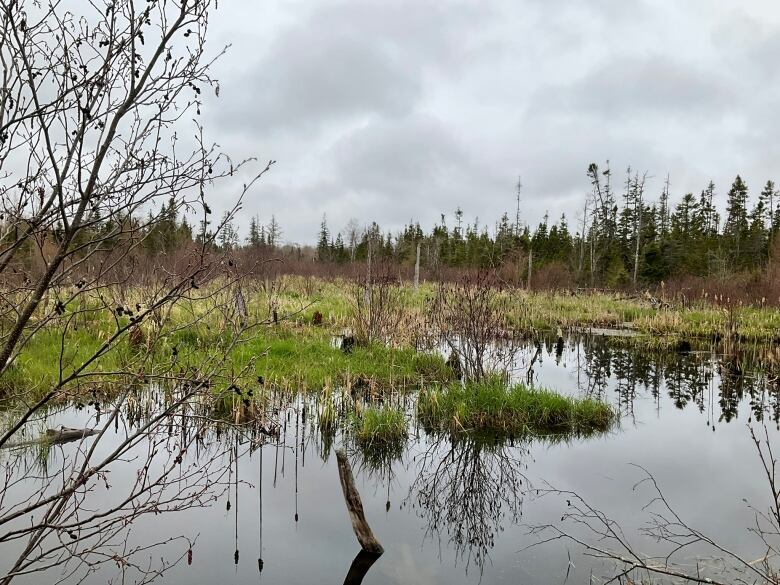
[
  {"x": 518, "y": 410},
  {"x": 380, "y": 426}
]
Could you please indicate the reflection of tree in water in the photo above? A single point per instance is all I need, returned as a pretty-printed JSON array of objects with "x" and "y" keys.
[
  {"x": 466, "y": 489},
  {"x": 625, "y": 374},
  {"x": 685, "y": 377},
  {"x": 598, "y": 371},
  {"x": 764, "y": 399}
]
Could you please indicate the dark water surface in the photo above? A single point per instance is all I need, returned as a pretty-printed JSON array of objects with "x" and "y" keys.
[{"x": 461, "y": 513}]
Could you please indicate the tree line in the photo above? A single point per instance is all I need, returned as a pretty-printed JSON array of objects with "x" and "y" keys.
[{"x": 621, "y": 237}]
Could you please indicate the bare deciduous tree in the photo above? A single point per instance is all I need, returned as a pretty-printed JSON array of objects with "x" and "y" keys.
[
  {"x": 377, "y": 306},
  {"x": 98, "y": 147},
  {"x": 471, "y": 318}
]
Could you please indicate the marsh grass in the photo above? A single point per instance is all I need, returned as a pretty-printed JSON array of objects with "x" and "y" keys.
[
  {"x": 381, "y": 426},
  {"x": 517, "y": 410},
  {"x": 328, "y": 413},
  {"x": 289, "y": 357},
  {"x": 549, "y": 310},
  {"x": 297, "y": 355},
  {"x": 305, "y": 359}
]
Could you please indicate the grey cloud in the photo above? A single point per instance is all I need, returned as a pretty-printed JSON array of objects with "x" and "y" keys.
[
  {"x": 344, "y": 61},
  {"x": 310, "y": 78},
  {"x": 392, "y": 110},
  {"x": 626, "y": 87},
  {"x": 398, "y": 156}
]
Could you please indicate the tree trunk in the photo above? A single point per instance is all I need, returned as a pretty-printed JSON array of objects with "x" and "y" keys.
[
  {"x": 362, "y": 530},
  {"x": 417, "y": 269}
]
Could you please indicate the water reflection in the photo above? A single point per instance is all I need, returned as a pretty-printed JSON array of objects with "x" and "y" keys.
[
  {"x": 466, "y": 490},
  {"x": 464, "y": 494},
  {"x": 714, "y": 380}
]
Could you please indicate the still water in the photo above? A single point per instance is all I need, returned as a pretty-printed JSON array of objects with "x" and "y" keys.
[{"x": 462, "y": 512}]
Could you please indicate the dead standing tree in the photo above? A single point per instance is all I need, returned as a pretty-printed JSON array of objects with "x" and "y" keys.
[
  {"x": 93, "y": 105},
  {"x": 376, "y": 305}
]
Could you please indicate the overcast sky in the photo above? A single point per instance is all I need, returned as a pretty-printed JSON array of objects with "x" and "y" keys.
[{"x": 392, "y": 110}]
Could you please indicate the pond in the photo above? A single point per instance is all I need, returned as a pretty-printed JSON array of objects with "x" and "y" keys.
[{"x": 445, "y": 510}]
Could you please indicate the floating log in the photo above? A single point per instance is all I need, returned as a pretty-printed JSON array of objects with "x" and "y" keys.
[
  {"x": 362, "y": 530},
  {"x": 54, "y": 437},
  {"x": 66, "y": 435}
]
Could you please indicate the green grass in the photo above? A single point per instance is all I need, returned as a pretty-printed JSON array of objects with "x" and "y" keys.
[
  {"x": 304, "y": 359},
  {"x": 379, "y": 426},
  {"x": 45, "y": 358},
  {"x": 380, "y": 436},
  {"x": 289, "y": 356},
  {"x": 517, "y": 411},
  {"x": 297, "y": 355}
]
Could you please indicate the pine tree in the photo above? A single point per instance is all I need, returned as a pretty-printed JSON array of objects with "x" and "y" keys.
[
  {"x": 756, "y": 246},
  {"x": 504, "y": 237},
  {"x": 339, "y": 251},
  {"x": 736, "y": 228},
  {"x": 664, "y": 223},
  {"x": 776, "y": 221},
  {"x": 459, "y": 221},
  {"x": 604, "y": 251},
  {"x": 708, "y": 218},
  {"x": 769, "y": 199},
  {"x": 184, "y": 231},
  {"x": 323, "y": 243},
  {"x": 204, "y": 233},
  {"x": 684, "y": 235},
  {"x": 228, "y": 235},
  {"x": 169, "y": 219},
  {"x": 685, "y": 226},
  {"x": 518, "y": 188},
  {"x": 254, "y": 232}
]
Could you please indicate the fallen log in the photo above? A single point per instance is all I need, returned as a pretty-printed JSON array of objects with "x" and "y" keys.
[
  {"x": 65, "y": 434},
  {"x": 55, "y": 437},
  {"x": 362, "y": 530}
]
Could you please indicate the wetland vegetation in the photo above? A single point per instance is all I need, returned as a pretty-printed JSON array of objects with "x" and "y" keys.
[
  {"x": 289, "y": 375},
  {"x": 159, "y": 378}
]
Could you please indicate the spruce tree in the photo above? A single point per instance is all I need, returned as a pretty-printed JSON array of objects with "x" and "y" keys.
[
  {"x": 736, "y": 228},
  {"x": 254, "y": 232},
  {"x": 274, "y": 232},
  {"x": 323, "y": 242},
  {"x": 769, "y": 198}
]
